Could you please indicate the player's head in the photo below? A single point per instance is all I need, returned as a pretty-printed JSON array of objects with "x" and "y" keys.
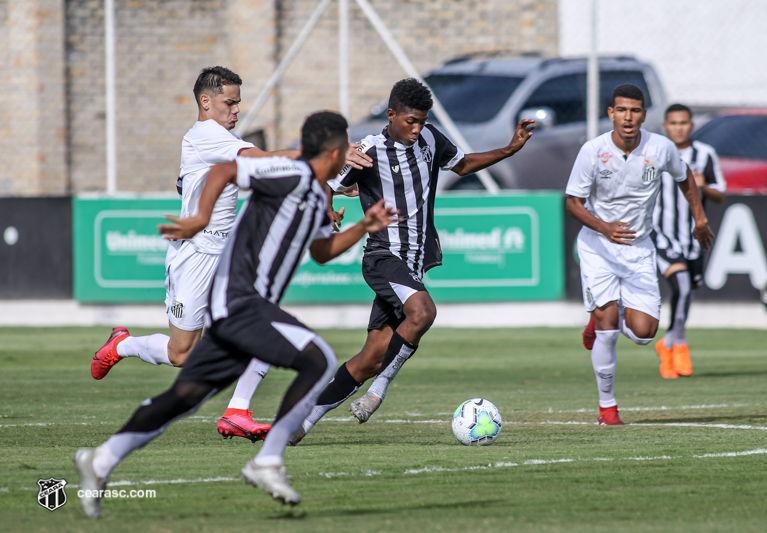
[
  {"x": 409, "y": 105},
  {"x": 217, "y": 93},
  {"x": 324, "y": 135},
  {"x": 627, "y": 111},
  {"x": 678, "y": 124}
]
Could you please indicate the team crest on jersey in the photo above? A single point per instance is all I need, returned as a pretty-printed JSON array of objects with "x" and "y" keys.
[
  {"x": 649, "y": 173},
  {"x": 52, "y": 494},
  {"x": 426, "y": 154},
  {"x": 604, "y": 157},
  {"x": 177, "y": 308}
]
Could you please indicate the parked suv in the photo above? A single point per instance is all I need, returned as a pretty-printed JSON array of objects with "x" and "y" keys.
[{"x": 487, "y": 97}]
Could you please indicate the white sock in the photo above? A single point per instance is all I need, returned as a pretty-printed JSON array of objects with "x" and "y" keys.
[
  {"x": 150, "y": 349},
  {"x": 320, "y": 410},
  {"x": 604, "y": 359},
  {"x": 107, "y": 456},
  {"x": 679, "y": 331},
  {"x": 381, "y": 383},
  {"x": 277, "y": 439},
  {"x": 628, "y": 332},
  {"x": 248, "y": 383}
]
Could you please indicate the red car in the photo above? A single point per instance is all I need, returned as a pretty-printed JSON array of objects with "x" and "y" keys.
[{"x": 739, "y": 136}]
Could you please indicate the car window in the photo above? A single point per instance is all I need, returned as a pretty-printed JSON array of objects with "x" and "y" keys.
[
  {"x": 566, "y": 95},
  {"x": 736, "y": 136},
  {"x": 472, "y": 98},
  {"x": 610, "y": 79}
]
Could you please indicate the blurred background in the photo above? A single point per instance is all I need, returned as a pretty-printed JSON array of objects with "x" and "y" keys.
[{"x": 99, "y": 94}]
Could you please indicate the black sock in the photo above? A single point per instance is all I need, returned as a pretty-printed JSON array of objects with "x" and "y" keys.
[
  {"x": 342, "y": 386},
  {"x": 395, "y": 346}
]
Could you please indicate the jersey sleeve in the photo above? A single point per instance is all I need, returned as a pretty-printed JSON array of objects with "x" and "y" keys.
[
  {"x": 674, "y": 163},
  {"x": 269, "y": 176},
  {"x": 713, "y": 173},
  {"x": 217, "y": 144},
  {"x": 583, "y": 173},
  {"x": 350, "y": 175},
  {"x": 448, "y": 155}
]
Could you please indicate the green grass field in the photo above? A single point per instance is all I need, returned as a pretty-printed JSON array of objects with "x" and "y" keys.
[{"x": 692, "y": 457}]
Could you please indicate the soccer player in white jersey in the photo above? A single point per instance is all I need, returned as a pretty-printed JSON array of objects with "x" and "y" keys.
[
  {"x": 284, "y": 217},
  {"x": 680, "y": 259},
  {"x": 612, "y": 191},
  {"x": 190, "y": 263},
  {"x": 407, "y": 157}
]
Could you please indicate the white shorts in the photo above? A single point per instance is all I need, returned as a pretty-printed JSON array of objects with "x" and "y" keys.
[
  {"x": 616, "y": 272},
  {"x": 188, "y": 275}
]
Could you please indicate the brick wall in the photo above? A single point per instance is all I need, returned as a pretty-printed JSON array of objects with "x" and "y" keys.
[{"x": 52, "y": 134}]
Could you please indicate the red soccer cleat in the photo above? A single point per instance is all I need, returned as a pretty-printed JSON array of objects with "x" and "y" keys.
[
  {"x": 238, "y": 423},
  {"x": 589, "y": 334},
  {"x": 608, "y": 416},
  {"x": 107, "y": 356}
]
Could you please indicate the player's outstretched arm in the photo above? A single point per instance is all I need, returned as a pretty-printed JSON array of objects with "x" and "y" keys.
[
  {"x": 186, "y": 228},
  {"x": 376, "y": 218},
  {"x": 474, "y": 162},
  {"x": 616, "y": 232},
  {"x": 701, "y": 231},
  {"x": 258, "y": 152}
]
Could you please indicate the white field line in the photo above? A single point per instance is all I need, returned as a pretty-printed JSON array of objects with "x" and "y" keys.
[{"x": 429, "y": 469}]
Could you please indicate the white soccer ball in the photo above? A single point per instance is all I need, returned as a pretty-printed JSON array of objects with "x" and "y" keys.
[{"x": 477, "y": 422}]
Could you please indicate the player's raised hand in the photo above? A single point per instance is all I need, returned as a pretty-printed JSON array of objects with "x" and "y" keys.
[
  {"x": 704, "y": 235},
  {"x": 182, "y": 228},
  {"x": 356, "y": 158},
  {"x": 523, "y": 132},
  {"x": 618, "y": 232},
  {"x": 379, "y": 216}
]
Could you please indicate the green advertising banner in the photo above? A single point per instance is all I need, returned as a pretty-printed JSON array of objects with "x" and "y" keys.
[{"x": 496, "y": 248}]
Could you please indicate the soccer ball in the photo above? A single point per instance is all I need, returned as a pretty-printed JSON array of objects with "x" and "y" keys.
[{"x": 477, "y": 422}]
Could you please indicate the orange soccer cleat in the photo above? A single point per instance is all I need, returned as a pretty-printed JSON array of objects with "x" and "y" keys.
[
  {"x": 681, "y": 358},
  {"x": 608, "y": 416},
  {"x": 239, "y": 423},
  {"x": 589, "y": 334},
  {"x": 107, "y": 356},
  {"x": 666, "y": 361}
]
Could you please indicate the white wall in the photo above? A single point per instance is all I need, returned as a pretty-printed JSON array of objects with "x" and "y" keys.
[{"x": 707, "y": 52}]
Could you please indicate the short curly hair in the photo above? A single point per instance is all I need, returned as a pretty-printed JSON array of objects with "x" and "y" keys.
[
  {"x": 411, "y": 94},
  {"x": 323, "y": 131},
  {"x": 628, "y": 90}
]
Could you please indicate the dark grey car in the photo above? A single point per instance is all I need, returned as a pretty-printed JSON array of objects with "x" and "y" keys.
[{"x": 487, "y": 97}]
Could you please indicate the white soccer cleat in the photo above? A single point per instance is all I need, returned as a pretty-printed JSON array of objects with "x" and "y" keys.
[
  {"x": 364, "y": 407},
  {"x": 273, "y": 480},
  {"x": 90, "y": 483}
]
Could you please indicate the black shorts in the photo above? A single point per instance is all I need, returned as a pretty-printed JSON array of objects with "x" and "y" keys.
[
  {"x": 250, "y": 330},
  {"x": 393, "y": 282},
  {"x": 666, "y": 258}
]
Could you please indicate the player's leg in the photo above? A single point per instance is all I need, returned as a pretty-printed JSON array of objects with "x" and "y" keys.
[
  {"x": 237, "y": 420},
  {"x": 686, "y": 282},
  {"x": 149, "y": 421},
  {"x": 601, "y": 293},
  {"x": 349, "y": 376},
  {"x": 402, "y": 289}
]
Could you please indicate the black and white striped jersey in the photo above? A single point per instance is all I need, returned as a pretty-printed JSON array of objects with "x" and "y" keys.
[
  {"x": 286, "y": 212},
  {"x": 406, "y": 178},
  {"x": 672, "y": 219}
]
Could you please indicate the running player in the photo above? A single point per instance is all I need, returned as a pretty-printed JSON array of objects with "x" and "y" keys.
[
  {"x": 285, "y": 216},
  {"x": 619, "y": 174},
  {"x": 190, "y": 263},
  {"x": 680, "y": 259},
  {"x": 407, "y": 157}
]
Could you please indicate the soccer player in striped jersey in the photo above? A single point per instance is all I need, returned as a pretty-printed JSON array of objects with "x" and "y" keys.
[
  {"x": 191, "y": 263},
  {"x": 285, "y": 216},
  {"x": 407, "y": 156},
  {"x": 611, "y": 191},
  {"x": 680, "y": 259}
]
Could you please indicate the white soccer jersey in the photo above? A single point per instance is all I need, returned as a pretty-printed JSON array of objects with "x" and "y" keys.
[
  {"x": 206, "y": 144},
  {"x": 624, "y": 188}
]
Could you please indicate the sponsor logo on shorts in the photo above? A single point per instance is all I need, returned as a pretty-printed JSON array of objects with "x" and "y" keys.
[
  {"x": 589, "y": 296},
  {"x": 415, "y": 277},
  {"x": 52, "y": 494},
  {"x": 177, "y": 308}
]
